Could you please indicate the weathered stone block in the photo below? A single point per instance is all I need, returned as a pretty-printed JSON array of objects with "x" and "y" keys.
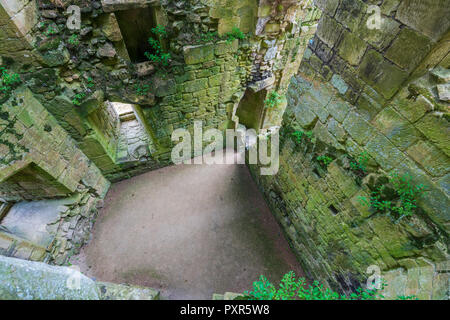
[
  {"x": 430, "y": 158},
  {"x": 444, "y": 91},
  {"x": 437, "y": 130},
  {"x": 262, "y": 84},
  {"x": 115, "y": 5},
  {"x": 444, "y": 183},
  {"x": 329, "y": 30},
  {"x": 381, "y": 74},
  {"x": 53, "y": 58},
  {"x": 327, "y": 6},
  {"x": 442, "y": 75},
  {"x": 351, "y": 48},
  {"x": 198, "y": 54},
  {"x": 350, "y": 13},
  {"x": 304, "y": 115},
  {"x": 216, "y": 80},
  {"x": 383, "y": 151},
  {"x": 429, "y": 17},
  {"x": 112, "y": 291},
  {"x": 409, "y": 49},
  {"x": 379, "y": 38},
  {"x": 195, "y": 85},
  {"x": 336, "y": 130},
  {"x": 27, "y": 280},
  {"x": 339, "y": 84},
  {"x": 321, "y": 132},
  {"x": 358, "y": 128},
  {"x": 110, "y": 27},
  {"x": 396, "y": 128},
  {"x": 324, "y": 52},
  {"x": 367, "y": 106},
  {"x": 225, "y": 47},
  {"x": 389, "y": 6},
  {"x": 345, "y": 183},
  {"x": 412, "y": 109},
  {"x": 338, "y": 108}
]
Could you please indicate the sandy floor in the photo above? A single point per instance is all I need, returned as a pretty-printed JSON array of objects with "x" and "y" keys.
[{"x": 189, "y": 231}]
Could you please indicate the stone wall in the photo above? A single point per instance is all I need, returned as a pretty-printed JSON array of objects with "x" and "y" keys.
[
  {"x": 59, "y": 137},
  {"x": 106, "y": 126},
  {"x": 17, "y": 18},
  {"x": 205, "y": 80},
  {"x": 379, "y": 95},
  {"x": 27, "y": 280},
  {"x": 39, "y": 160}
]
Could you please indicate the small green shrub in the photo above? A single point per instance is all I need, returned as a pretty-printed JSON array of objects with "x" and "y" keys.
[
  {"x": 235, "y": 33},
  {"x": 292, "y": 289},
  {"x": 406, "y": 195},
  {"x": 360, "y": 165},
  {"x": 141, "y": 88},
  {"x": 209, "y": 37},
  {"x": 8, "y": 80},
  {"x": 412, "y": 297},
  {"x": 298, "y": 135},
  {"x": 160, "y": 31},
  {"x": 325, "y": 160},
  {"x": 73, "y": 40},
  {"x": 158, "y": 54},
  {"x": 273, "y": 100},
  {"x": 78, "y": 98},
  {"x": 51, "y": 30},
  {"x": 90, "y": 82}
]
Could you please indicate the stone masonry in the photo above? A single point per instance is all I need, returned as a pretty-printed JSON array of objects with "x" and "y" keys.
[
  {"x": 356, "y": 79},
  {"x": 369, "y": 92}
]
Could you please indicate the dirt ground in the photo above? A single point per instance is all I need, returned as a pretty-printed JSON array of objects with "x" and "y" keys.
[{"x": 189, "y": 231}]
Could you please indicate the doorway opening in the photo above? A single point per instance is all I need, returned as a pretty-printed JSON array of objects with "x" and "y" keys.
[
  {"x": 136, "y": 27},
  {"x": 133, "y": 140}
]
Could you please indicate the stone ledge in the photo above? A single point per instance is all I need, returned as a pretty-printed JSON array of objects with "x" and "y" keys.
[
  {"x": 116, "y": 5},
  {"x": 112, "y": 291}
]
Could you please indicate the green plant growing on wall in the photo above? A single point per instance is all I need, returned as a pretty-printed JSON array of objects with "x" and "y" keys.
[
  {"x": 73, "y": 40},
  {"x": 158, "y": 55},
  {"x": 412, "y": 297},
  {"x": 298, "y": 135},
  {"x": 78, "y": 98},
  {"x": 405, "y": 202},
  {"x": 90, "y": 82},
  {"x": 235, "y": 33},
  {"x": 87, "y": 86},
  {"x": 8, "y": 81},
  {"x": 209, "y": 37},
  {"x": 141, "y": 88},
  {"x": 273, "y": 100},
  {"x": 325, "y": 160},
  {"x": 51, "y": 30},
  {"x": 291, "y": 288},
  {"x": 360, "y": 165}
]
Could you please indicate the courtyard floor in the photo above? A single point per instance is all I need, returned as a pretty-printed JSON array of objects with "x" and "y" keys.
[{"x": 188, "y": 231}]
